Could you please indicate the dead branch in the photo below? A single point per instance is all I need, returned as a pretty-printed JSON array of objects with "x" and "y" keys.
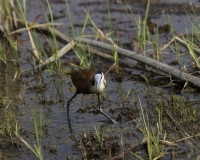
[
  {"x": 61, "y": 52},
  {"x": 148, "y": 61}
]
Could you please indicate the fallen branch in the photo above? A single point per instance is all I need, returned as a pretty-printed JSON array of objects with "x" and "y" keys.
[
  {"x": 61, "y": 52},
  {"x": 45, "y": 28},
  {"x": 107, "y": 56},
  {"x": 150, "y": 62},
  {"x": 138, "y": 57}
]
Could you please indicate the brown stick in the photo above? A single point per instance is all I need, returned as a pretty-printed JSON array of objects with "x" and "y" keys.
[{"x": 83, "y": 150}]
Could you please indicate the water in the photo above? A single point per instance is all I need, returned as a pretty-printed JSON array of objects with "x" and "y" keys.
[{"x": 60, "y": 138}]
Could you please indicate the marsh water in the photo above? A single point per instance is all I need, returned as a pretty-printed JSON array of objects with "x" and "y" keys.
[{"x": 45, "y": 93}]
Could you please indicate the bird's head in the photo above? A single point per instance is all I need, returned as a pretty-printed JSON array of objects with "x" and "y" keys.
[{"x": 99, "y": 81}]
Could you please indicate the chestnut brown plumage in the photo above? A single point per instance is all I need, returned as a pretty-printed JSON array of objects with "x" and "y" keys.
[{"x": 88, "y": 81}]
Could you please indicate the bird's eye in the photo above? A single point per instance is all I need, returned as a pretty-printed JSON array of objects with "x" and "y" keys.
[
  {"x": 98, "y": 72},
  {"x": 93, "y": 82}
]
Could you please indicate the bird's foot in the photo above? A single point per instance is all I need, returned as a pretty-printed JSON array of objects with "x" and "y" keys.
[{"x": 112, "y": 120}]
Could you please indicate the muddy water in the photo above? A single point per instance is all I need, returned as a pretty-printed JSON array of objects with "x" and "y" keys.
[{"x": 45, "y": 94}]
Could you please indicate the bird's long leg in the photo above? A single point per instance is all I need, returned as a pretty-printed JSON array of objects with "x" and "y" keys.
[
  {"x": 68, "y": 104},
  {"x": 101, "y": 111}
]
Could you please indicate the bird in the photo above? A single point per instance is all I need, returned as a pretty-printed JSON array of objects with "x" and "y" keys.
[{"x": 88, "y": 81}]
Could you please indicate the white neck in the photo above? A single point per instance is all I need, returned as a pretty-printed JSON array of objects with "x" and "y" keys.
[{"x": 99, "y": 85}]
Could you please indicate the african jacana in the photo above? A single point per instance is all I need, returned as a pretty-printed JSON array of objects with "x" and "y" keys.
[{"x": 88, "y": 81}]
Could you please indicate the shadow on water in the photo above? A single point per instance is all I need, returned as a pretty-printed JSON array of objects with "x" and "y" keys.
[{"x": 46, "y": 93}]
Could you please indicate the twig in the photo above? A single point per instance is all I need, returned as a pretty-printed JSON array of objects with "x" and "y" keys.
[
  {"x": 160, "y": 156},
  {"x": 114, "y": 64},
  {"x": 121, "y": 155},
  {"x": 165, "y": 46},
  {"x": 182, "y": 42},
  {"x": 178, "y": 126},
  {"x": 36, "y": 26},
  {"x": 6, "y": 107},
  {"x": 183, "y": 139},
  {"x": 168, "y": 143},
  {"x": 34, "y": 49},
  {"x": 13, "y": 13},
  {"x": 83, "y": 150}
]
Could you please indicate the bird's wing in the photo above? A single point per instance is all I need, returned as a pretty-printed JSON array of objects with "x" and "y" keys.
[{"x": 82, "y": 79}]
